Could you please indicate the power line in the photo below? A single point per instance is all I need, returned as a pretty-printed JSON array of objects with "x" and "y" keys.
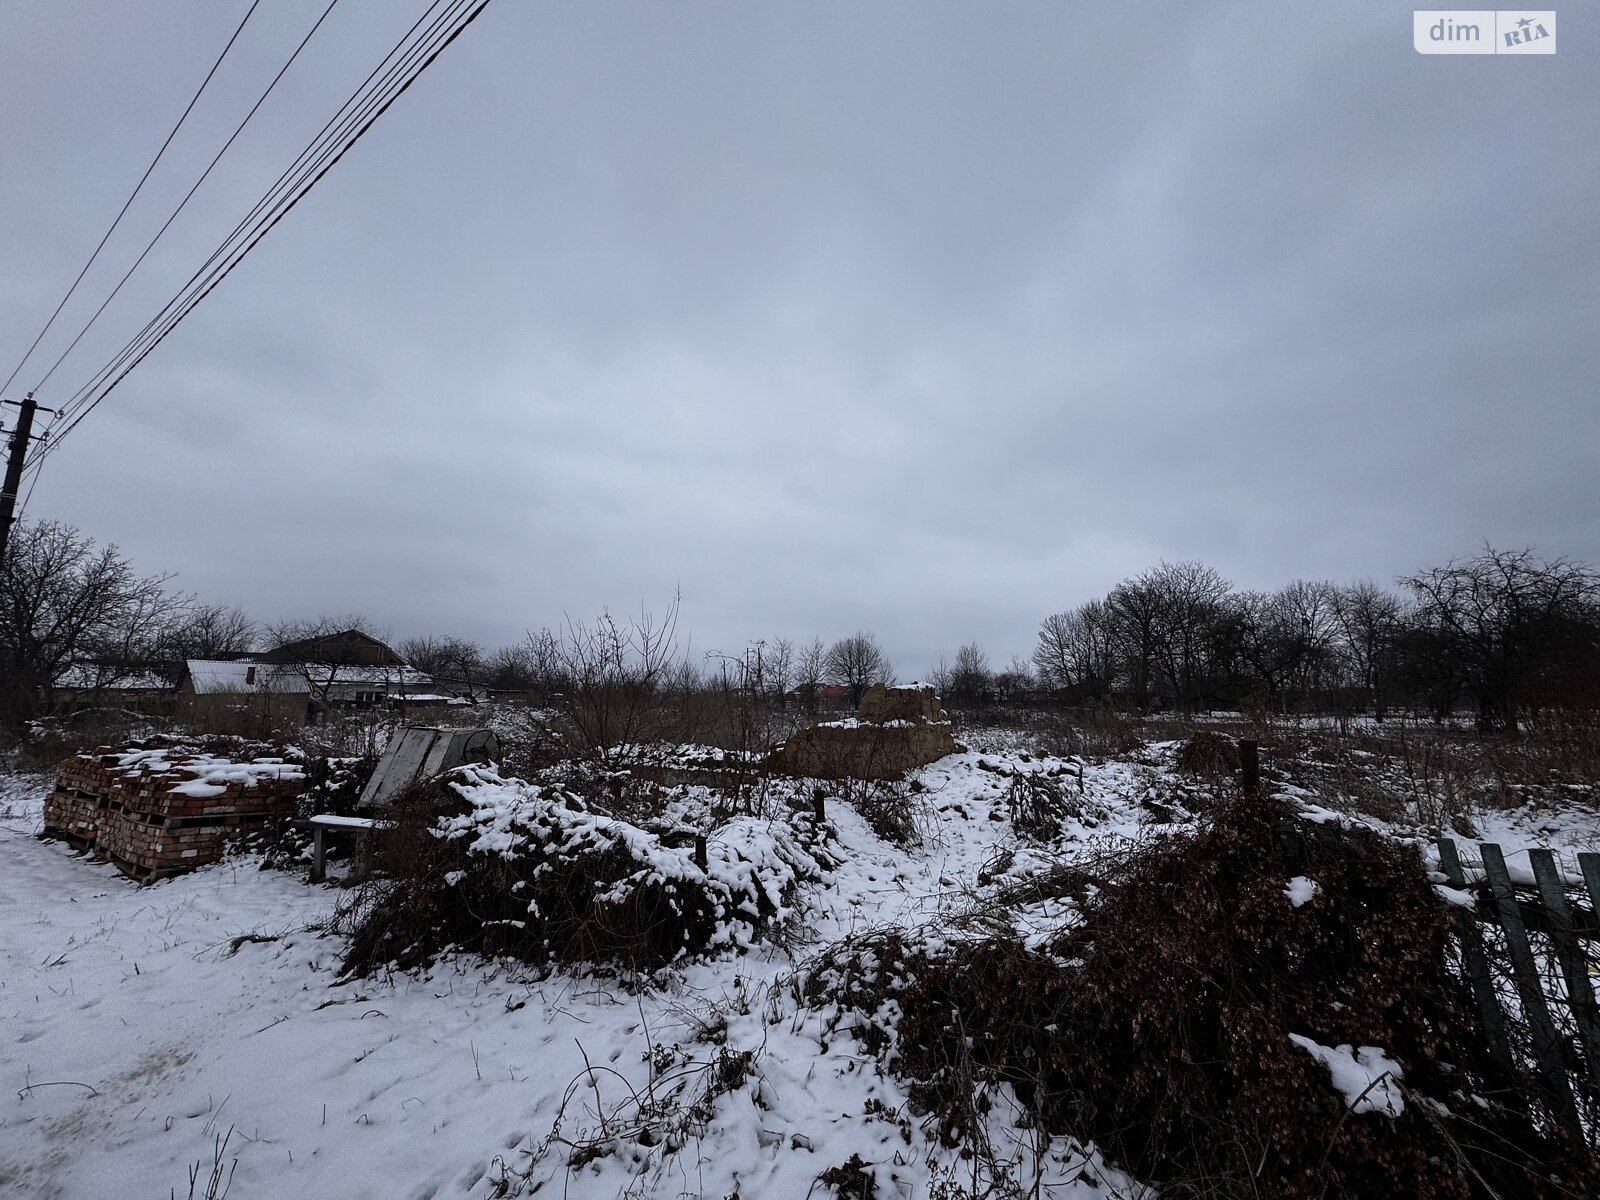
[
  {"x": 131, "y": 197},
  {"x": 359, "y": 107},
  {"x": 309, "y": 159},
  {"x": 317, "y": 151},
  {"x": 188, "y": 196},
  {"x": 363, "y": 113}
]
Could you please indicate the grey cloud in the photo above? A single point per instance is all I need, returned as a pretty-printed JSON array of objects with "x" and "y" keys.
[{"x": 930, "y": 321}]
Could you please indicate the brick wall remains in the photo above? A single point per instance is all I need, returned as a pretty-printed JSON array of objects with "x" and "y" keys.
[{"x": 895, "y": 730}]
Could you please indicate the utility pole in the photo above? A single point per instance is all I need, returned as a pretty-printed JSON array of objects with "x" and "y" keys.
[{"x": 20, "y": 437}]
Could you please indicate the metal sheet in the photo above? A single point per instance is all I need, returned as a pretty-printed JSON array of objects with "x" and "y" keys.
[
  {"x": 421, "y": 753},
  {"x": 398, "y": 768}
]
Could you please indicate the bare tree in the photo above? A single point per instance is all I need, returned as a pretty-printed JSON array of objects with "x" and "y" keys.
[
  {"x": 509, "y": 669},
  {"x": 423, "y": 653},
  {"x": 305, "y": 649},
  {"x": 208, "y": 630},
  {"x": 858, "y": 662},
  {"x": 546, "y": 663},
  {"x": 1015, "y": 680},
  {"x": 971, "y": 681},
  {"x": 1136, "y": 609},
  {"x": 1188, "y": 599},
  {"x": 1492, "y": 623},
  {"x": 781, "y": 656},
  {"x": 1369, "y": 621},
  {"x": 461, "y": 659},
  {"x": 810, "y": 668},
  {"x": 619, "y": 676},
  {"x": 1077, "y": 650},
  {"x": 66, "y": 603}
]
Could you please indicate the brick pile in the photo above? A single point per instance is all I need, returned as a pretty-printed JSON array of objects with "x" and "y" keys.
[{"x": 162, "y": 812}]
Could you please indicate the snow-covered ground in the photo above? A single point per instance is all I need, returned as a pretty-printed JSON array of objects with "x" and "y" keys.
[
  {"x": 143, "y": 1024},
  {"x": 150, "y": 1033}
]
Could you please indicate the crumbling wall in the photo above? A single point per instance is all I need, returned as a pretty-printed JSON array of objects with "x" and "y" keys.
[{"x": 896, "y": 730}]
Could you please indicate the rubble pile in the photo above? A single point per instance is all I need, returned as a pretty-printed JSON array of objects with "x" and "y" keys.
[{"x": 895, "y": 730}]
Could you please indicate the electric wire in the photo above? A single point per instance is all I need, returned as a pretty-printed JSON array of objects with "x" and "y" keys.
[
  {"x": 309, "y": 160},
  {"x": 367, "y": 110},
  {"x": 132, "y": 196},
  {"x": 332, "y": 4}
]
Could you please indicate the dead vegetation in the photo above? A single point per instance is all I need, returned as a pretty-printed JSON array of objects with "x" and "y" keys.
[
  {"x": 1208, "y": 753},
  {"x": 1157, "y": 1025},
  {"x": 545, "y": 878}
]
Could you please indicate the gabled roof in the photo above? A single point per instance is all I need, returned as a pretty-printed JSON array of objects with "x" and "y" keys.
[
  {"x": 92, "y": 677},
  {"x": 211, "y": 677},
  {"x": 347, "y": 646}
]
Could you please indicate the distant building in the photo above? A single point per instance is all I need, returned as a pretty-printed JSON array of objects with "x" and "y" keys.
[
  {"x": 138, "y": 688},
  {"x": 303, "y": 680}
]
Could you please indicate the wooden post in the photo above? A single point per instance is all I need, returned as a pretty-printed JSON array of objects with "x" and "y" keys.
[
  {"x": 1589, "y": 864},
  {"x": 319, "y": 854},
  {"x": 1525, "y": 970},
  {"x": 1475, "y": 961},
  {"x": 1574, "y": 966},
  {"x": 820, "y": 804},
  {"x": 1249, "y": 765},
  {"x": 700, "y": 859}
]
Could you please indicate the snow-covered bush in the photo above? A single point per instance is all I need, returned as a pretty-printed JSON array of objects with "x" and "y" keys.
[
  {"x": 1227, "y": 1012},
  {"x": 482, "y": 863}
]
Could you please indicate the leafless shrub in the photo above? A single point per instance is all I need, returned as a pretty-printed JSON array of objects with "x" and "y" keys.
[
  {"x": 1039, "y": 804},
  {"x": 1208, "y": 753},
  {"x": 890, "y": 807},
  {"x": 618, "y": 676}
]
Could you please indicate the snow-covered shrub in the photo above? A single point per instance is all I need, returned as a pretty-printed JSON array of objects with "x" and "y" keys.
[
  {"x": 1169, "y": 1023},
  {"x": 486, "y": 864}
]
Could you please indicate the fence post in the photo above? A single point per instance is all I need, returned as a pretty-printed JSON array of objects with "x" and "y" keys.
[
  {"x": 819, "y": 804},
  {"x": 1574, "y": 967},
  {"x": 1476, "y": 961},
  {"x": 1546, "y": 1046},
  {"x": 1589, "y": 864},
  {"x": 700, "y": 859},
  {"x": 1249, "y": 765}
]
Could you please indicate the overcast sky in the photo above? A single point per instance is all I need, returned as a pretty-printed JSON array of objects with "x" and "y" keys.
[{"x": 928, "y": 319}]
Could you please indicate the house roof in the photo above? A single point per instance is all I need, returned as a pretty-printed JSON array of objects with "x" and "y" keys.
[
  {"x": 389, "y": 676},
  {"x": 347, "y": 646},
  {"x": 211, "y": 676},
  {"x": 92, "y": 677}
]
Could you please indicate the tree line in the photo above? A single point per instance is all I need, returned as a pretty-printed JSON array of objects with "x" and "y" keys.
[
  {"x": 1504, "y": 631},
  {"x": 79, "y": 614}
]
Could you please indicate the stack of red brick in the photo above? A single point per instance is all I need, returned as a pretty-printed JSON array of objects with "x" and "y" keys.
[{"x": 160, "y": 812}]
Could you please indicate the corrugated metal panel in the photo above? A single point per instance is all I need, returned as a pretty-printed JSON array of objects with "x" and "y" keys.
[{"x": 420, "y": 752}]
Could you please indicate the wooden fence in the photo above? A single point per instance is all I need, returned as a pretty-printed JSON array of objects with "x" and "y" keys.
[{"x": 1541, "y": 937}]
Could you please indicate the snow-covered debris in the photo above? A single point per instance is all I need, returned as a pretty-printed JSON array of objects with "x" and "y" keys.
[
  {"x": 1367, "y": 1078},
  {"x": 504, "y": 866},
  {"x": 1301, "y": 890}
]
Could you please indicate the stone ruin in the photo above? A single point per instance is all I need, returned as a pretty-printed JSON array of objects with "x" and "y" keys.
[{"x": 895, "y": 730}]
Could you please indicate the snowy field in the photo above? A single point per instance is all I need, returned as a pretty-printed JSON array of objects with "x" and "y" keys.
[
  {"x": 155, "y": 1035},
  {"x": 139, "y": 1031}
]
